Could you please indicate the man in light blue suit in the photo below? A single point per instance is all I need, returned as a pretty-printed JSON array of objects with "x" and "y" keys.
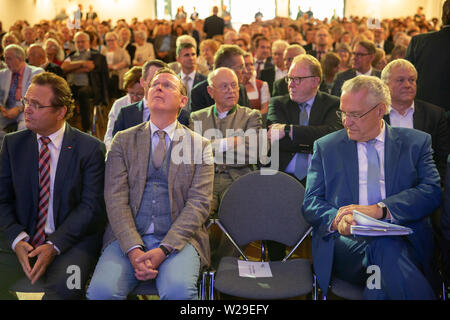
[{"x": 384, "y": 172}]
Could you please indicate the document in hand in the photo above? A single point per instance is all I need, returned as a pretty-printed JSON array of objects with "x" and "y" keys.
[{"x": 368, "y": 226}]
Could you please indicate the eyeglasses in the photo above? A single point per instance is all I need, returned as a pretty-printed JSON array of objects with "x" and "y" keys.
[
  {"x": 296, "y": 80},
  {"x": 342, "y": 115},
  {"x": 34, "y": 105},
  {"x": 225, "y": 86},
  {"x": 360, "y": 54},
  {"x": 136, "y": 95},
  {"x": 165, "y": 85}
]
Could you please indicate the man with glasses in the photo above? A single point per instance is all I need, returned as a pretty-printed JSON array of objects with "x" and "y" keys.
[
  {"x": 14, "y": 82},
  {"x": 362, "y": 57},
  {"x": 300, "y": 118},
  {"x": 138, "y": 112},
  {"x": 386, "y": 173},
  {"x": 158, "y": 189},
  {"x": 229, "y": 56},
  {"x": 51, "y": 196},
  {"x": 280, "y": 87},
  {"x": 224, "y": 116}
]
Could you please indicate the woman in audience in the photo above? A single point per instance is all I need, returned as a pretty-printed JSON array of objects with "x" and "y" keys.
[
  {"x": 379, "y": 62},
  {"x": 118, "y": 61},
  {"x": 208, "y": 49},
  {"x": 330, "y": 67},
  {"x": 144, "y": 50},
  {"x": 124, "y": 41},
  {"x": 135, "y": 93},
  {"x": 345, "y": 54},
  {"x": 257, "y": 90},
  {"x": 54, "y": 51}
]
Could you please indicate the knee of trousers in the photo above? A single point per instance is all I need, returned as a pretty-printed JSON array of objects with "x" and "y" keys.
[{"x": 178, "y": 288}]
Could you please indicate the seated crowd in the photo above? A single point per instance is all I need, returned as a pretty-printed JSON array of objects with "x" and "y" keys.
[{"x": 338, "y": 99}]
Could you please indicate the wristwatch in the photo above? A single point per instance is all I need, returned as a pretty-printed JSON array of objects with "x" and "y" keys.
[
  {"x": 287, "y": 130},
  {"x": 384, "y": 208},
  {"x": 165, "y": 250}
]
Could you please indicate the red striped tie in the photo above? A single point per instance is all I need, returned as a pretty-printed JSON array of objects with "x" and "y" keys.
[{"x": 44, "y": 192}]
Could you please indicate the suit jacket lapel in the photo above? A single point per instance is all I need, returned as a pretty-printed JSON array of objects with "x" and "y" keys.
[
  {"x": 143, "y": 142},
  {"x": 33, "y": 148},
  {"x": 175, "y": 165},
  {"x": 138, "y": 115},
  {"x": 418, "y": 117},
  {"x": 68, "y": 148},
  {"x": 392, "y": 151},
  {"x": 293, "y": 112},
  {"x": 351, "y": 166},
  {"x": 316, "y": 110}
]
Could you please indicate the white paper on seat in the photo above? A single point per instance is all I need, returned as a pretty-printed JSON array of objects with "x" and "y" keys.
[
  {"x": 368, "y": 226},
  {"x": 251, "y": 269}
]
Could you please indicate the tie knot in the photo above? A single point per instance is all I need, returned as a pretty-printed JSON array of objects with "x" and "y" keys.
[
  {"x": 303, "y": 106},
  {"x": 45, "y": 140},
  {"x": 372, "y": 142},
  {"x": 161, "y": 134}
]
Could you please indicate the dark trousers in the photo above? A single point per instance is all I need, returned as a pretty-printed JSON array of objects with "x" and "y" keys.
[
  {"x": 400, "y": 273},
  {"x": 56, "y": 278},
  {"x": 82, "y": 95}
]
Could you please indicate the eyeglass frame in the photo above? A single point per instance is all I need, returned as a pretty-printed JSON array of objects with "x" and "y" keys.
[
  {"x": 299, "y": 79},
  {"x": 26, "y": 103},
  {"x": 360, "y": 54},
  {"x": 342, "y": 115}
]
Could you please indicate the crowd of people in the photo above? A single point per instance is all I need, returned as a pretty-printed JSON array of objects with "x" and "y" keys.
[{"x": 302, "y": 80}]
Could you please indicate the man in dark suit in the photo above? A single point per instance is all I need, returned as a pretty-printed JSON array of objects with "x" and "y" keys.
[
  {"x": 380, "y": 35},
  {"x": 187, "y": 58},
  {"x": 430, "y": 54},
  {"x": 278, "y": 70},
  {"x": 300, "y": 118},
  {"x": 213, "y": 25},
  {"x": 363, "y": 55},
  {"x": 346, "y": 174},
  {"x": 87, "y": 74},
  {"x": 406, "y": 111},
  {"x": 445, "y": 227},
  {"x": 138, "y": 112},
  {"x": 323, "y": 44},
  {"x": 51, "y": 196},
  {"x": 280, "y": 87},
  {"x": 229, "y": 56},
  {"x": 262, "y": 56}
]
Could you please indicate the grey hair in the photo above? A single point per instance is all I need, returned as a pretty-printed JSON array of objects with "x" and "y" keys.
[
  {"x": 186, "y": 38},
  {"x": 397, "y": 63},
  {"x": 18, "y": 51},
  {"x": 378, "y": 91}
]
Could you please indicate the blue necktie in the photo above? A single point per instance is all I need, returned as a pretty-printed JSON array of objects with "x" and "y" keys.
[
  {"x": 373, "y": 173},
  {"x": 11, "y": 102},
  {"x": 301, "y": 162}
]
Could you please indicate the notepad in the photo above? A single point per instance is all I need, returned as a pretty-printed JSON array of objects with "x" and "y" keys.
[
  {"x": 368, "y": 226},
  {"x": 250, "y": 269}
]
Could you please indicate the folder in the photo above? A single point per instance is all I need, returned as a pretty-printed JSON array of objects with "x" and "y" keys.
[{"x": 368, "y": 226}]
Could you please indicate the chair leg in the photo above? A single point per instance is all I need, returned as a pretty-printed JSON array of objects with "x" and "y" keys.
[
  {"x": 203, "y": 287},
  {"x": 211, "y": 284}
]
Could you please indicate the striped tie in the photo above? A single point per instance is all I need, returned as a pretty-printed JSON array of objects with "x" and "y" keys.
[{"x": 44, "y": 192}]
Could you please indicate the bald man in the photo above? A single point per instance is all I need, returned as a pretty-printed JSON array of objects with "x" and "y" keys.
[{"x": 38, "y": 58}]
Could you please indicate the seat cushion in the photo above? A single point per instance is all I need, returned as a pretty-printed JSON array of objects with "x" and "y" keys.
[{"x": 289, "y": 279}]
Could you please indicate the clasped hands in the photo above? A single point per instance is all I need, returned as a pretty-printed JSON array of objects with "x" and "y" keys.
[
  {"x": 45, "y": 254},
  {"x": 344, "y": 217},
  {"x": 145, "y": 264}
]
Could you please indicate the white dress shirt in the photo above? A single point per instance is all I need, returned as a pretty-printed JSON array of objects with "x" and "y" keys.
[
  {"x": 404, "y": 121},
  {"x": 55, "y": 149},
  {"x": 279, "y": 73},
  {"x": 112, "y": 117},
  {"x": 189, "y": 82}
]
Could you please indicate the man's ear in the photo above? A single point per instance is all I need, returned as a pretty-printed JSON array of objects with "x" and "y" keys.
[
  {"x": 61, "y": 112},
  {"x": 210, "y": 92}
]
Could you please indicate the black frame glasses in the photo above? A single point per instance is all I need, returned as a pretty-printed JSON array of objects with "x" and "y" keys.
[
  {"x": 342, "y": 115},
  {"x": 296, "y": 80},
  {"x": 34, "y": 105}
]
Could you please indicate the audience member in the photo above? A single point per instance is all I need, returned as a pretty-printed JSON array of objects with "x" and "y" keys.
[
  {"x": 156, "y": 224},
  {"x": 280, "y": 87},
  {"x": 53, "y": 212},
  {"x": 37, "y": 57},
  {"x": 257, "y": 90},
  {"x": 403, "y": 188}
]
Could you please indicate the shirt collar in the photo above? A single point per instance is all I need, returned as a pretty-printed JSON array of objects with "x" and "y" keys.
[
  {"x": 408, "y": 111},
  {"x": 169, "y": 130},
  {"x": 216, "y": 113},
  {"x": 56, "y": 137},
  {"x": 368, "y": 73},
  {"x": 190, "y": 75}
]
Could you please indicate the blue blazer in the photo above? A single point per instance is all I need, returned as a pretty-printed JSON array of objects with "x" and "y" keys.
[
  {"x": 131, "y": 115},
  {"x": 78, "y": 204},
  {"x": 412, "y": 191}
]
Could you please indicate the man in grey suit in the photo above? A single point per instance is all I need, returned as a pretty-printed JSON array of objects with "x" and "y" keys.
[
  {"x": 158, "y": 193},
  {"x": 215, "y": 123},
  {"x": 407, "y": 111},
  {"x": 363, "y": 55},
  {"x": 14, "y": 82}
]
